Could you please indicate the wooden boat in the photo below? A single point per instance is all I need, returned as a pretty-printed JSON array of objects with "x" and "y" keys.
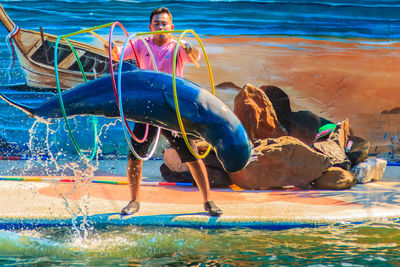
[{"x": 35, "y": 52}]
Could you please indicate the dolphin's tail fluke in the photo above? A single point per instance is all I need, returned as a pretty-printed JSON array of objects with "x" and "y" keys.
[{"x": 28, "y": 110}]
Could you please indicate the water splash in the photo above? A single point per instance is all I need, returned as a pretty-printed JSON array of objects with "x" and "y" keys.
[{"x": 45, "y": 140}]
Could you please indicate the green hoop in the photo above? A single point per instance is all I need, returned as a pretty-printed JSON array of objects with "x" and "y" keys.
[{"x": 94, "y": 119}]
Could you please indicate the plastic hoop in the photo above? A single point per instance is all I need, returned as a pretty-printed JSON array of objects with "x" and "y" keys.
[
  {"x": 94, "y": 119},
  {"x": 119, "y": 94},
  {"x": 178, "y": 115},
  {"x": 113, "y": 78}
]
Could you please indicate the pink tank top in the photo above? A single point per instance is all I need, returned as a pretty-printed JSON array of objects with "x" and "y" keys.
[{"x": 163, "y": 55}]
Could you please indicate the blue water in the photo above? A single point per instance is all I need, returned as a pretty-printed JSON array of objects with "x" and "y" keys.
[
  {"x": 372, "y": 20},
  {"x": 341, "y": 18},
  {"x": 367, "y": 244}
]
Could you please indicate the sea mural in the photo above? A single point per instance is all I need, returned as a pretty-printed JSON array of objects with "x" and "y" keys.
[{"x": 337, "y": 59}]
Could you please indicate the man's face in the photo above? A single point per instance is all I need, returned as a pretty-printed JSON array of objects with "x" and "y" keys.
[{"x": 161, "y": 22}]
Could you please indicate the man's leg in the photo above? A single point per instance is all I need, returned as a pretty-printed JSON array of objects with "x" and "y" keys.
[
  {"x": 134, "y": 173},
  {"x": 135, "y": 166},
  {"x": 199, "y": 173}
]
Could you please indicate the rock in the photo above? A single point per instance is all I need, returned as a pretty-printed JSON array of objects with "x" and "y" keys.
[
  {"x": 272, "y": 116},
  {"x": 369, "y": 170},
  {"x": 335, "y": 144},
  {"x": 174, "y": 170},
  {"x": 304, "y": 125},
  {"x": 257, "y": 114},
  {"x": 216, "y": 177},
  {"x": 280, "y": 101},
  {"x": 227, "y": 85},
  {"x": 334, "y": 152},
  {"x": 335, "y": 178},
  {"x": 280, "y": 162},
  {"x": 359, "y": 149},
  {"x": 392, "y": 111},
  {"x": 341, "y": 133},
  {"x": 174, "y": 176}
]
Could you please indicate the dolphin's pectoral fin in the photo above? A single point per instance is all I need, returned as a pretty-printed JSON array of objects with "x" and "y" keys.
[{"x": 187, "y": 109}]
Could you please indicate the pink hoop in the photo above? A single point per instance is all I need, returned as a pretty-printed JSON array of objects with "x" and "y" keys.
[{"x": 110, "y": 61}]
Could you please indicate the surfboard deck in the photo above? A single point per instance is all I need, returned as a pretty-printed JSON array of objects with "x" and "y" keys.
[{"x": 30, "y": 204}]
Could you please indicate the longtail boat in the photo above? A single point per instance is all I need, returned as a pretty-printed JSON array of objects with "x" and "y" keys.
[{"x": 35, "y": 52}]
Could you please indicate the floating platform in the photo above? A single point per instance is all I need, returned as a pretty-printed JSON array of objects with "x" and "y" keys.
[{"x": 45, "y": 201}]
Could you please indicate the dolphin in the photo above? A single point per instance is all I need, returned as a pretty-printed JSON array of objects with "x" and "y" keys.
[{"x": 147, "y": 97}]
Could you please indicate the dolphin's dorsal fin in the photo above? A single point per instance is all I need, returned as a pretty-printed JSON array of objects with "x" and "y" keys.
[{"x": 127, "y": 66}]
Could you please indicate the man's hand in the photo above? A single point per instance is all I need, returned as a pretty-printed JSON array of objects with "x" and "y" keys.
[{"x": 188, "y": 48}]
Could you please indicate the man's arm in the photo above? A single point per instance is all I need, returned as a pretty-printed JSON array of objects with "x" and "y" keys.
[{"x": 117, "y": 51}]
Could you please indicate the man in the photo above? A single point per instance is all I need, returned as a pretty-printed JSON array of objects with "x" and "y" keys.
[{"x": 162, "y": 47}]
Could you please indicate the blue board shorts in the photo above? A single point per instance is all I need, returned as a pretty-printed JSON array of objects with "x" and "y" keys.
[{"x": 175, "y": 141}]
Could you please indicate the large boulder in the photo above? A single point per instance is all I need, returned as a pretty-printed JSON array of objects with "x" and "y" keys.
[
  {"x": 281, "y": 162},
  {"x": 281, "y": 103},
  {"x": 334, "y": 152},
  {"x": 304, "y": 125},
  {"x": 341, "y": 134},
  {"x": 371, "y": 169},
  {"x": 359, "y": 149},
  {"x": 266, "y": 113},
  {"x": 334, "y": 145},
  {"x": 257, "y": 114},
  {"x": 335, "y": 178}
]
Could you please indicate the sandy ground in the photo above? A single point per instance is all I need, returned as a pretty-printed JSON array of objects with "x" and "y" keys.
[
  {"x": 352, "y": 79},
  {"x": 334, "y": 79},
  {"x": 181, "y": 206}
]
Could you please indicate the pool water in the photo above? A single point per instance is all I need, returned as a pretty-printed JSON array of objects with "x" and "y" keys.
[{"x": 367, "y": 244}]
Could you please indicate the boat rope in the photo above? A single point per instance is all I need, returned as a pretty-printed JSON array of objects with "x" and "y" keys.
[
  {"x": 110, "y": 48},
  {"x": 119, "y": 94},
  {"x": 10, "y": 46},
  {"x": 178, "y": 115}
]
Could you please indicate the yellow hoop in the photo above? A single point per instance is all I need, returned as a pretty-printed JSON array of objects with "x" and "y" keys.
[{"x": 178, "y": 115}]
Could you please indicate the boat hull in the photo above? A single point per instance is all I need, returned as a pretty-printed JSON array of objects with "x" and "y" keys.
[{"x": 35, "y": 52}]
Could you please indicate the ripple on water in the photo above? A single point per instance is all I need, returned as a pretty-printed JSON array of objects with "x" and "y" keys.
[{"x": 354, "y": 245}]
